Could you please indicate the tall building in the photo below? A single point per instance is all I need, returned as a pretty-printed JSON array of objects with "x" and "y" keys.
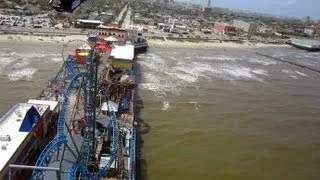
[
  {"x": 208, "y": 3},
  {"x": 207, "y": 8},
  {"x": 249, "y": 27},
  {"x": 307, "y": 19}
]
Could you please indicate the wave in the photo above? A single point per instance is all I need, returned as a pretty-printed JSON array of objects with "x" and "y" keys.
[
  {"x": 4, "y": 61},
  {"x": 26, "y": 73},
  {"x": 294, "y": 74},
  {"x": 220, "y": 58},
  {"x": 20, "y": 63},
  {"x": 301, "y": 74},
  {"x": 294, "y": 77},
  {"x": 188, "y": 78},
  {"x": 233, "y": 72},
  {"x": 264, "y": 62},
  {"x": 287, "y": 71},
  {"x": 57, "y": 59},
  {"x": 163, "y": 74},
  {"x": 15, "y": 60},
  {"x": 32, "y": 54},
  {"x": 260, "y": 72}
]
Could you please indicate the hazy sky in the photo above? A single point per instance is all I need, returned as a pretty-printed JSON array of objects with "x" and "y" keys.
[{"x": 296, "y": 8}]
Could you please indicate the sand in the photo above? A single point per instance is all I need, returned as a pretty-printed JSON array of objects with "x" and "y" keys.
[
  {"x": 38, "y": 39},
  {"x": 170, "y": 43},
  {"x": 151, "y": 42}
]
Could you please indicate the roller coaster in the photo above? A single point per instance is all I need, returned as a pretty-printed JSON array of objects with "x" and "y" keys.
[{"x": 84, "y": 131}]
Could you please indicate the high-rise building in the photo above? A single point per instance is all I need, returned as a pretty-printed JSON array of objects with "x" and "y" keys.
[
  {"x": 307, "y": 19},
  {"x": 207, "y": 8},
  {"x": 208, "y": 3},
  {"x": 249, "y": 27}
]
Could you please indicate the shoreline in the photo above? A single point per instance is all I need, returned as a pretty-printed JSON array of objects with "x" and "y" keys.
[
  {"x": 153, "y": 43},
  {"x": 209, "y": 45},
  {"x": 40, "y": 39}
]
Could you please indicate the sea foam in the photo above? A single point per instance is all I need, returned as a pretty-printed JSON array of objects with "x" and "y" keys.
[{"x": 26, "y": 73}]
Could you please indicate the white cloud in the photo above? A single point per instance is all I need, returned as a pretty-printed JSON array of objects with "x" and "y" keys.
[{"x": 290, "y": 2}]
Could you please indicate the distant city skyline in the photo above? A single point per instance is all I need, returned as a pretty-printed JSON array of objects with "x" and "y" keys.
[{"x": 289, "y": 8}]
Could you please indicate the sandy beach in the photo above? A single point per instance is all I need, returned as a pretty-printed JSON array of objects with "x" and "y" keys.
[
  {"x": 151, "y": 42},
  {"x": 37, "y": 39},
  {"x": 200, "y": 45}
]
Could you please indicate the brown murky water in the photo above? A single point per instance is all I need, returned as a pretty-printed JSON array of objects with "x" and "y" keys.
[
  {"x": 213, "y": 114},
  {"x": 230, "y": 115}
]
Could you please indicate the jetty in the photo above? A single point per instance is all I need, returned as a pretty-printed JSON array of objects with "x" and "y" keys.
[{"x": 305, "y": 44}]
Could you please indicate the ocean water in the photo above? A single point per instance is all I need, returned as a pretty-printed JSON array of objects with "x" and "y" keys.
[
  {"x": 25, "y": 69},
  {"x": 212, "y": 114},
  {"x": 230, "y": 114}
]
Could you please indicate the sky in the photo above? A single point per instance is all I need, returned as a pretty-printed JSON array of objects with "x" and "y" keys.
[{"x": 290, "y": 8}]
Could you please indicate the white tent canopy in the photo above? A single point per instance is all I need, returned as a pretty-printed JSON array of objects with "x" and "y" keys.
[
  {"x": 85, "y": 46},
  {"x": 110, "y": 106},
  {"x": 101, "y": 26},
  {"x": 110, "y": 39}
]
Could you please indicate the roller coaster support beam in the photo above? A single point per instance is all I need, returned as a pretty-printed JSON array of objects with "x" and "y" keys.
[
  {"x": 95, "y": 62},
  {"x": 64, "y": 149},
  {"x": 71, "y": 137},
  {"x": 71, "y": 151}
]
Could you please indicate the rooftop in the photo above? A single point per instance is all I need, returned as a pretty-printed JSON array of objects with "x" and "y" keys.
[
  {"x": 222, "y": 23},
  {"x": 123, "y": 52},
  {"x": 90, "y": 21},
  {"x": 314, "y": 27},
  {"x": 52, "y": 104},
  {"x": 110, "y": 28},
  {"x": 11, "y": 135}
]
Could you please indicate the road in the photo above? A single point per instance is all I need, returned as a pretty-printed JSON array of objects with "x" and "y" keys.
[
  {"x": 121, "y": 13},
  {"x": 127, "y": 19}
]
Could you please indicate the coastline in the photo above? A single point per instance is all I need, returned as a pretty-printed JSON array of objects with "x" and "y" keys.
[
  {"x": 40, "y": 39},
  {"x": 208, "y": 45},
  {"x": 153, "y": 43}
]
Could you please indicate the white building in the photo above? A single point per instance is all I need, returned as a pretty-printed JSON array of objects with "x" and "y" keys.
[
  {"x": 311, "y": 30},
  {"x": 249, "y": 27},
  {"x": 180, "y": 27},
  {"x": 139, "y": 28},
  {"x": 24, "y": 130},
  {"x": 265, "y": 30}
]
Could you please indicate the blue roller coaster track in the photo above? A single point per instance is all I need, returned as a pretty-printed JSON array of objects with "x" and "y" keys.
[
  {"x": 132, "y": 174},
  {"x": 71, "y": 66},
  {"x": 55, "y": 144},
  {"x": 79, "y": 169},
  {"x": 104, "y": 171}
]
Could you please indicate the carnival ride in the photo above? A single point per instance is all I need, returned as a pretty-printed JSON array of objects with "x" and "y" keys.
[{"x": 76, "y": 125}]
